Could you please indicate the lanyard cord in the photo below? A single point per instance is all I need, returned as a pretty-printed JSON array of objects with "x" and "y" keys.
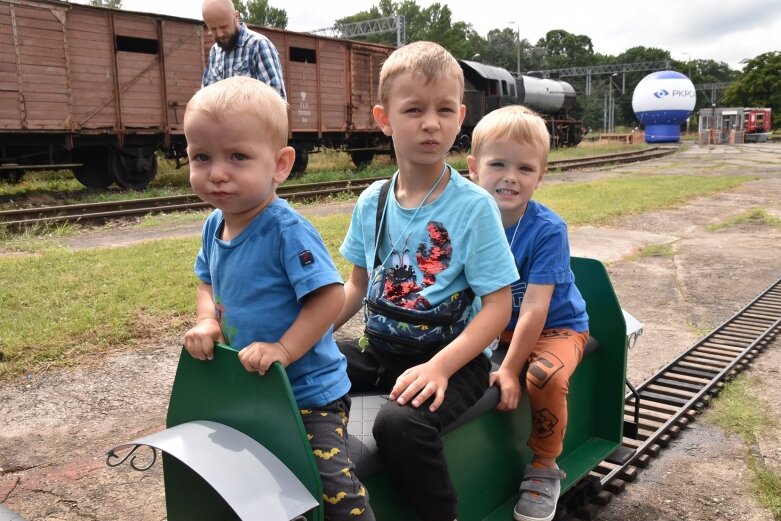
[
  {"x": 518, "y": 225},
  {"x": 384, "y": 211}
]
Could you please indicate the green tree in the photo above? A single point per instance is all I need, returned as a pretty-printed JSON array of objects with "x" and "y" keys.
[
  {"x": 702, "y": 72},
  {"x": 259, "y": 12},
  {"x": 759, "y": 85},
  {"x": 502, "y": 50},
  {"x": 433, "y": 23},
  {"x": 114, "y": 4},
  {"x": 564, "y": 49}
]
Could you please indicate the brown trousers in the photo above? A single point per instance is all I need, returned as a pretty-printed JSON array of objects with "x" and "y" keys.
[{"x": 549, "y": 368}]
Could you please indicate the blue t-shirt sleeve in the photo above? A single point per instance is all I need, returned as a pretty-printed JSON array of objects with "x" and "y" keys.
[
  {"x": 490, "y": 265},
  {"x": 202, "y": 270},
  {"x": 358, "y": 244},
  {"x": 550, "y": 258},
  {"x": 307, "y": 262}
]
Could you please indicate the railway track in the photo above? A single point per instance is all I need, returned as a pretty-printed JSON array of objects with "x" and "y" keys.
[
  {"x": 104, "y": 211},
  {"x": 671, "y": 399}
]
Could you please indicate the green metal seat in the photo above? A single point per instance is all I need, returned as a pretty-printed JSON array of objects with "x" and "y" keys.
[{"x": 486, "y": 456}]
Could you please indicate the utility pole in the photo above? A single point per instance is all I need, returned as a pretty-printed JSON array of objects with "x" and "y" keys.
[
  {"x": 689, "y": 63},
  {"x": 518, "y": 46}
]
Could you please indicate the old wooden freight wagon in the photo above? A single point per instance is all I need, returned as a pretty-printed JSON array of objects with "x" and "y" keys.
[
  {"x": 103, "y": 90},
  {"x": 98, "y": 87},
  {"x": 331, "y": 88}
]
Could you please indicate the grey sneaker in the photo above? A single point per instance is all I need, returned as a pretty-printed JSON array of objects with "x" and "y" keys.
[{"x": 540, "y": 490}]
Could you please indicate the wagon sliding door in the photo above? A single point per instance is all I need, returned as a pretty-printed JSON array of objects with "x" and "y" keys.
[
  {"x": 365, "y": 63},
  {"x": 34, "y": 90},
  {"x": 364, "y": 76}
]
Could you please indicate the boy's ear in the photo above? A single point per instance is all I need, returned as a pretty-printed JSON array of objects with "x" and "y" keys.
[
  {"x": 471, "y": 162},
  {"x": 381, "y": 117},
  {"x": 539, "y": 179},
  {"x": 462, "y": 115},
  {"x": 283, "y": 164}
]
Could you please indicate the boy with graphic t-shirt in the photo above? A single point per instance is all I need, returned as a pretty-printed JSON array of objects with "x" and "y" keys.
[{"x": 422, "y": 244}]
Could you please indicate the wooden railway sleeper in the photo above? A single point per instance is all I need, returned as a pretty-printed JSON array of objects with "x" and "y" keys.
[
  {"x": 579, "y": 496},
  {"x": 616, "y": 486}
]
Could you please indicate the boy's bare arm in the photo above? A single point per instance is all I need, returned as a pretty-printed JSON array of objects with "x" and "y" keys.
[
  {"x": 531, "y": 320},
  {"x": 317, "y": 314},
  {"x": 423, "y": 381},
  {"x": 199, "y": 340},
  {"x": 354, "y": 293}
]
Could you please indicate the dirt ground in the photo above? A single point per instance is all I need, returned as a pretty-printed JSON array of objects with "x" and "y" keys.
[{"x": 55, "y": 427}]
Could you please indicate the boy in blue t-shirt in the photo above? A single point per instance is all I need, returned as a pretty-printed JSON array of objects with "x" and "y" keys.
[
  {"x": 268, "y": 285},
  {"x": 430, "y": 240},
  {"x": 549, "y": 325}
]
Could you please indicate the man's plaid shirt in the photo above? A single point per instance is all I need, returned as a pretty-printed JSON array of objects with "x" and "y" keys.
[{"x": 254, "y": 55}]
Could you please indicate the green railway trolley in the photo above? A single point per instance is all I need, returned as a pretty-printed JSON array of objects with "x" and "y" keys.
[{"x": 235, "y": 445}]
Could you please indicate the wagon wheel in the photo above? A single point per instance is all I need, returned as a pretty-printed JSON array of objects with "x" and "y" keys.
[
  {"x": 463, "y": 142},
  {"x": 362, "y": 158},
  {"x": 94, "y": 171},
  {"x": 134, "y": 168},
  {"x": 302, "y": 160}
]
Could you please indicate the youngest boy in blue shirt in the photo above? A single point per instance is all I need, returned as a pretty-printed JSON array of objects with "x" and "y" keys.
[{"x": 268, "y": 285}]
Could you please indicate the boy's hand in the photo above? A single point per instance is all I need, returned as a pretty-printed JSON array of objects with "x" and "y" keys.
[
  {"x": 199, "y": 341},
  {"x": 509, "y": 387},
  {"x": 419, "y": 383},
  {"x": 259, "y": 356}
]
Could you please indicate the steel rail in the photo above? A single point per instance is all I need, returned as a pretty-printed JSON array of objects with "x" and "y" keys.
[
  {"x": 672, "y": 397},
  {"x": 106, "y": 210},
  {"x": 680, "y": 389}
]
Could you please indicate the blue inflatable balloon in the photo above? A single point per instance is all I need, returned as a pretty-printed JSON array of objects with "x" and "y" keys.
[{"x": 662, "y": 101}]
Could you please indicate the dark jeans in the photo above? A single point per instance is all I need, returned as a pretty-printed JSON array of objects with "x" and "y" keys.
[{"x": 409, "y": 438}]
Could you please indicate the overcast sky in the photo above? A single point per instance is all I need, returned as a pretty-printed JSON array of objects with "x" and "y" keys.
[{"x": 727, "y": 31}]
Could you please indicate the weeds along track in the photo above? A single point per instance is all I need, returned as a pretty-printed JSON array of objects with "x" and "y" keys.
[
  {"x": 94, "y": 213},
  {"x": 657, "y": 410}
]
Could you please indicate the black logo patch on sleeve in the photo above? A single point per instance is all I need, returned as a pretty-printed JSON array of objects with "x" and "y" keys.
[{"x": 306, "y": 258}]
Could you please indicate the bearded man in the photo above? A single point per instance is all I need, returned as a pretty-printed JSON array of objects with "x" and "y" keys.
[{"x": 237, "y": 50}]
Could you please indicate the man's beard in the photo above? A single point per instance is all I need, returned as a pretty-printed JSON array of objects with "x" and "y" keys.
[{"x": 231, "y": 43}]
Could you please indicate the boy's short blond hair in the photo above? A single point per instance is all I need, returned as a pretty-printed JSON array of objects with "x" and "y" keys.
[
  {"x": 427, "y": 58},
  {"x": 514, "y": 122},
  {"x": 241, "y": 94}
]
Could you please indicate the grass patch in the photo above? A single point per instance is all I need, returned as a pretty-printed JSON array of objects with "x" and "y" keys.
[
  {"x": 757, "y": 217},
  {"x": 60, "y": 304},
  {"x": 739, "y": 411},
  {"x": 34, "y": 238},
  {"x": 333, "y": 229},
  {"x": 699, "y": 331},
  {"x": 653, "y": 250},
  {"x": 600, "y": 201},
  {"x": 587, "y": 149},
  {"x": 170, "y": 219},
  {"x": 766, "y": 485}
]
